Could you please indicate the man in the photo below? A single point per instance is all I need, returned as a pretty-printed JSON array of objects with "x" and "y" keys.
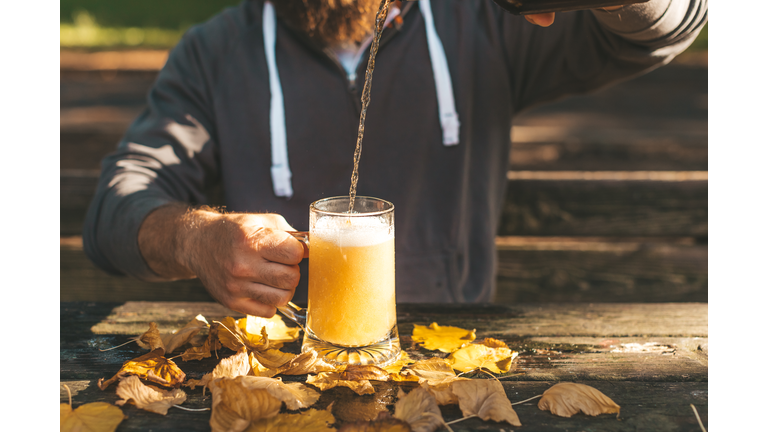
[{"x": 269, "y": 108}]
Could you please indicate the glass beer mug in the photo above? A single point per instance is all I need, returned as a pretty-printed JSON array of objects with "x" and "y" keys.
[{"x": 350, "y": 316}]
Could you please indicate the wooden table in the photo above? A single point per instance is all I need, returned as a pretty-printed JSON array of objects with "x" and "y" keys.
[{"x": 654, "y": 382}]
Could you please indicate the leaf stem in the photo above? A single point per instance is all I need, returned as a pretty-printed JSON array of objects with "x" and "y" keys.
[
  {"x": 461, "y": 419},
  {"x": 132, "y": 340},
  {"x": 191, "y": 409},
  {"x": 696, "y": 413},
  {"x": 529, "y": 399},
  {"x": 239, "y": 339}
]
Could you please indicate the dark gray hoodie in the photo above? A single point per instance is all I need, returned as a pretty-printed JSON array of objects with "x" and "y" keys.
[{"x": 207, "y": 123}]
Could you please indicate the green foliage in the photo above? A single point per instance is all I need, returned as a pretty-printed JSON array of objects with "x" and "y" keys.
[
  {"x": 701, "y": 42},
  {"x": 161, "y": 14}
]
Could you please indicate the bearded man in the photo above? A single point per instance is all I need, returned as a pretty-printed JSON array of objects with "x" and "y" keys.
[{"x": 264, "y": 100}]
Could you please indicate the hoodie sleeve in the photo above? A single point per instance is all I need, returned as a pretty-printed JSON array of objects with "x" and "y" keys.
[
  {"x": 583, "y": 51},
  {"x": 168, "y": 154}
]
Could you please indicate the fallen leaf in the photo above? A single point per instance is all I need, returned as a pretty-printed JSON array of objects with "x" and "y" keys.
[
  {"x": 476, "y": 356},
  {"x": 183, "y": 335},
  {"x": 446, "y": 339},
  {"x": 306, "y": 363},
  {"x": 276, "y": 328},
  {"x": 259, "y": 369},
  {"x": 233, "y": 366},
  {"x": 91, "y": 417},
  {"x": 485, "y": 399},
  {"x": 364, "y": 372},
  {"x": 402, "y": 361},
  {"x": 443, "y": 392},
  {"x": 494, "y": 343},
  {"x": 211, "y": 344},
  {"x": 152, "y": 367},
  {"x": 566, "y": 399},
  {"x": 148, "y": 398},
  {"x": 295, "y": 395},
  {"x": 234, "y": 406},
  {"x": 233, "y": 336},
  {"x": 329, "y": 380},
  {"x": 433, "y": 371},
  {"x": 151, "y": 339},
  {"x": 384, "y": 423},
  {"x": 419, "y": 409},
  {"x": 311, "y": 420},
  {"x": 192, "y": 383},
  {"x": 273, "y": 358}
]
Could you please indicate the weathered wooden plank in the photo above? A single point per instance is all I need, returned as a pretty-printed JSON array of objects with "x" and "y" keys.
[
  {"x": 605, "y": 208},
  {"x": 597, "y": 270},
  {"x": 532, "y": 207}
]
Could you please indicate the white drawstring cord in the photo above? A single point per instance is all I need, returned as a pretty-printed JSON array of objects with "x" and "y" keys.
[
  {"x": 449, "y": 119},
  {"x": 281, "y": 172}
]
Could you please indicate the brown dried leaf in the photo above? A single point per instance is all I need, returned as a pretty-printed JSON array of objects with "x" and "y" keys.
[
  {"x": 295, "y": 395},
  {"x": 311, "y": 420},
  {"x": 260, "y": 370},
  {"x": 329, "y": 380},
  {"x": 306, "y": 363},
  {"x": 152, "y": 367},
  {"x": 91, "y": 417},
  {"x": 211, "y": 344},
  {"x": 276, "y": 328},
  {"x": 384, "y": 423},
  {"x": 485, "y": 399},
  {"x": 433, "y": 371},
  {"x": 566, "y": 399},
  {"x": 233, "y": 336},
  {"x": 443, "y": 393},
  {"x": 149, "y": 398},
  {"x": 192, "y": 383},
  {"x": 494, "y": 343},
  {"x": 151, "y": 339},
  {"x": 364, "y": 372},
  {"x": 273, "y": 358},
  {"x": 418, "y": 408},
  {"x": 235, "y": 406},
  {"x": 233, "y": 366},
  {"x": 446, "y": 339},
  {"x": 183, "y": 335},
  {"x": 476, "y": 356}
]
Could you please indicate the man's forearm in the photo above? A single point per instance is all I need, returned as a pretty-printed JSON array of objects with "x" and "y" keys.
[{"x": 165, "y": 236}]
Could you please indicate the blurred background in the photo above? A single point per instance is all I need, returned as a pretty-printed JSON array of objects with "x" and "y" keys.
[{"x": 607, "y": 196}]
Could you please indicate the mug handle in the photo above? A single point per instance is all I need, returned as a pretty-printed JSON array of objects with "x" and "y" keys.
[{"x": 303, "y": 237}]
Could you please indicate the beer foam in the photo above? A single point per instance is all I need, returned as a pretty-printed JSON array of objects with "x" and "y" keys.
[{"x": 353, "y": 231}]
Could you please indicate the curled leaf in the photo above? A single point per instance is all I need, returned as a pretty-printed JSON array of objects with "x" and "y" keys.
[
  {"x": 235, "y": 406},
  {"x": 485, "y": 399},
  {"x": 444, "y": 338},
  {"x": 183, "y": 335},
  {"x": 233, "y": 366},
  {"x": 566, "y": 399},
  {"x": 306, "y": 363},
  {"x": 94, "y": 416},
  {"x": 329, "y": 380},
  {"x": 151, "y": 339},
  {"x": 148, "y": 398},
  {"x": 152, "y": 367},
  {"x": 273, "y": 358},
  {"x": 232, "y": 335},
  {"x": 433, "y": 371},
  {"x": 211, "y": 344},
  {"x": 295, "y": 395},
  {"x": 311, "y": 420},
  {"x": 275, "y": 327},
  {"x": 418, "y": 408},
  {"x": 476, "y": 356},
  {"x": 494, "y": 343}
]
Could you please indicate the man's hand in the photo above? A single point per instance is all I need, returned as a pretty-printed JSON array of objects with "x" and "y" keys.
[
  {"x": 546, "y": 19},
  {"x": 247, "y": 262}
]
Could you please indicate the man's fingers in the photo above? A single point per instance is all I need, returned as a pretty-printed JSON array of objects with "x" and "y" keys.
[
  {"x": 543, "y": 20},
  {"x": 252, "y": 307},
  {"x": 281, "y": 247}
]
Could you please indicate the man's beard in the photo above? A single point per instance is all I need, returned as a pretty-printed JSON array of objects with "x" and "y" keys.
[{"x": 329, "y": 22}]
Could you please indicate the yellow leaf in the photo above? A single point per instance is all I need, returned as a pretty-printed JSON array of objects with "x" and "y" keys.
[
  {"x": 402, "y": 361},
  {"x": 566, "y": 399},
  {"x": 446, "y": 339},
  {"x": 485, "y": 399},
  {"x": 418, "y": 408},
  {"x": 475, "y": 356},
  {"x": 494, "y": 343},
  {"x": 329, "y": 380},
  {"x": 234, "y": 406},
  {"x": 273, "y": 358},
  {"x": 295, "y": 395},
  {"x": 149, "y": 398},
  {"x": 151, "y": 339},
  {"x": 232, "y": 335},
  {"x": 308, "y": 421},
  {"x": 433, "y": 371},
  {"x": 211, "y": 344},
  {"x": 152, "y": 367},
  {"x": 276, "y": 328},
  {"x": 384, "y": 423},
  {"x": 183, "y": 335},
  {"x": 91, "y": 417},
  {"x": 306, "y": 363}
]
